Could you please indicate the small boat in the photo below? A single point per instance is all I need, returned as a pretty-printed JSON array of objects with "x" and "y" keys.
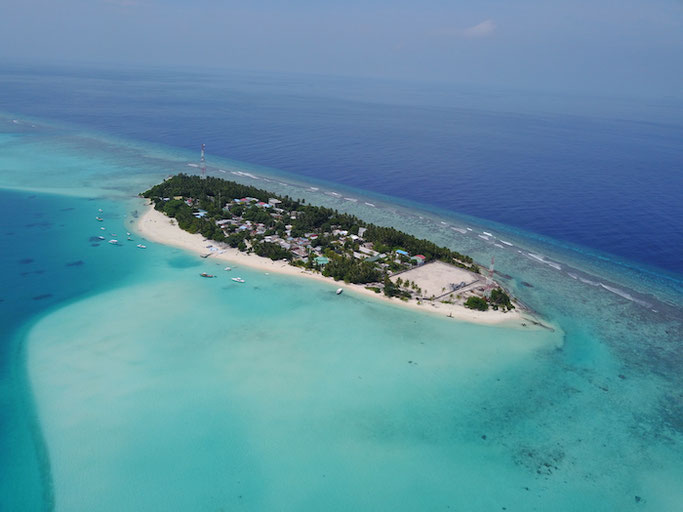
[
  {"x": 129, "y": 239},
  {"x": 141, "y": 246},
  {"x": 204, "y": 274},
  {"x": 339, "y": 291},
  {"x": 99, "y": 210},
  {"x": 127, "y": 234},
  {"x": 99, "y": 218},
  {"x": 238, "y": 279},
  {"x": 103, "y": 228},
  {"x": 101, "y": 237},
  {"x": 113, "y": 234},
  {"x": 227, "y": 268},
  {"x": 113, "y": 241}
]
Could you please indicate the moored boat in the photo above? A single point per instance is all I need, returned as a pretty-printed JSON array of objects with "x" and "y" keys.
[
  {"x": 204, "y": 274},
  {"x": 238, "y": 279},
  {"x": 339, "y": 291},
  {"x": 99, "y": 218},
  {"x": 113, "y": 241},
  {"x": 141, "y": 246}
]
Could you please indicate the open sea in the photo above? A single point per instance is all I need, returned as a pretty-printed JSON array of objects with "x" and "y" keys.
[{"x": 128, "y": 383}]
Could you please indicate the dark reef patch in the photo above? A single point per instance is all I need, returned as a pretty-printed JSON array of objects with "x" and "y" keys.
[
  {"x": 43, "y": 296},
  {"x": 26, "y": 261},
  {"x": 75, "y": 263}
]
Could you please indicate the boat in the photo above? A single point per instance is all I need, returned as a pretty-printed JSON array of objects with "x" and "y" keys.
[
  {"x": 113, "y": 241},
  {"x": 339, "y": 291},
  {"x": 99, "y": 210},
  {"x": 141, "y": 246},
  {"x": 127, "y": 234},
  {"x": 129, "y": 239},
  {"x": 103, "y": 228},
  {"x": 204, "y": 274},
  {"x": 101, "y": 237},
  {"x": 238, "y": 279},
  {"x": 227, "y": 268},
  {"x": 99, "y": 218}
]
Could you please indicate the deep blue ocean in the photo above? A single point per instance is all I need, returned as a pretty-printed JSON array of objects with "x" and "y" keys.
[{"x": 604, "y": 173}]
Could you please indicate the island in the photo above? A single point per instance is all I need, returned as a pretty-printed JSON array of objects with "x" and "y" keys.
[{"x": 247, "y": 224}]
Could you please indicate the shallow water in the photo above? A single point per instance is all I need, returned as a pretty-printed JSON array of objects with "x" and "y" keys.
[{"x": 155, "y": 388}]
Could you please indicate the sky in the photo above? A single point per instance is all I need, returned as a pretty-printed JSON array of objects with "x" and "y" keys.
[{"x": 625, "y": 47}]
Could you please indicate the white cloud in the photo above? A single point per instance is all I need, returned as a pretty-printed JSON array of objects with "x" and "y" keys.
[{"x": 483, "y": 29}]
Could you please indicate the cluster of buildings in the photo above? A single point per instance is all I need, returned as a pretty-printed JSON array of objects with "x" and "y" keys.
[{"x": 305, "y": 247}]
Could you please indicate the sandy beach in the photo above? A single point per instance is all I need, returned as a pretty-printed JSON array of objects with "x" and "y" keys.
[{"x": 157, "y": 227}]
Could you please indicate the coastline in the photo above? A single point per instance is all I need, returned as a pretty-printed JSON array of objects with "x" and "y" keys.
[{"x": 157, "y": 227}]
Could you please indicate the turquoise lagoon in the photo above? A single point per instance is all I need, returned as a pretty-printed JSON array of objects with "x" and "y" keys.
[{"x": 132, "y": 384}]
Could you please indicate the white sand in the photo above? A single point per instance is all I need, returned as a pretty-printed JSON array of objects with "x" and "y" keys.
[
  {"x": 435, "y": 278},
  {"x": 157, "y": 227}
]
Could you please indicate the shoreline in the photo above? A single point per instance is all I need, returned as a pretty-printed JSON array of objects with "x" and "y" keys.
[{"x": 157, "y": 227}]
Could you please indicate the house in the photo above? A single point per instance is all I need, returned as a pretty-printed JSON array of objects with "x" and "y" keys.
[
  {"x": 365, "y": 250},
  {"x": 300, "y": 252},
  {"x": 322, "y": 260},
  {"x": 361, "y": 231},
  {"x": 402, "y": 253},
  {"x": 274, "y": 202},
  {"x": 419, "y": 259}
]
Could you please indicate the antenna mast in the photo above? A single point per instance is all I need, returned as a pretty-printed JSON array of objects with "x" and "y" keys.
[{"x": 202, "y": 162}]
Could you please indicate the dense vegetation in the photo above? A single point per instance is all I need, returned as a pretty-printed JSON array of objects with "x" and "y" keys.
[
  {"x": 476, "y": 303},
  {"x": 213, "y": 194},
  {"x": 287, "y": 229},
  {"x": 500, "y": 299}
]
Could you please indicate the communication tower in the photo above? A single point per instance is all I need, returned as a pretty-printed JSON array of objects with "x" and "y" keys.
[{"x": 202, "y": 163}]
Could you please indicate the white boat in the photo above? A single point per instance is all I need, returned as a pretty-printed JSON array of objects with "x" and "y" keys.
[
  {"x": 141, "y": 246},
  {"x": 101, "y": 237},
  {"x": 99, "y": 218},
  {"x": 103, "y": 228},
  {"x": 100, "y": 210},
  {"x": 127, "y": 234},
  {"x": 113, "y": 241},
  {"x": 339, "y": 291},
  {"x": 238, "y": 279},
  {"x": 227, "y": 268}
]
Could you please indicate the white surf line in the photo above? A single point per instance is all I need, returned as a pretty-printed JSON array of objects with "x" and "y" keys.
[
  {"x": 444, "y": 223},
  {"x": 192, "y": 165},
  {"x": 506, "y": 243},
  {"x": 221, "y": 170},
  {"x": 370, "y": 204},
  {"x": 334, "y": 194},
  {"x": 469, "y": 229},
  {"x": 552, "y": 264},
  {"x": 351, "y": 199},
  {"x": 498, "y": 245},
  {"x": 487, "y": 233},
  {"x": 617, "y": 291},
  {"x": 484, "y": 237},
  {"x": 459, "y": 230},
  {"x": 314, "y": 189},
  {"x": 247, "y": 175}
]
